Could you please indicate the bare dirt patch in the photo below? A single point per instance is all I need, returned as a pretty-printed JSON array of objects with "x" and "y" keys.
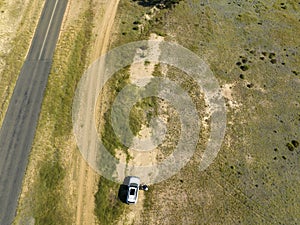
[{"x": 227, "y": 91}]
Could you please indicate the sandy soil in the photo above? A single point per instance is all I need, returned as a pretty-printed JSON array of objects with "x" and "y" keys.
[
  {"x": 134, "y": 215},
  {"x": 227, "y": 90}
]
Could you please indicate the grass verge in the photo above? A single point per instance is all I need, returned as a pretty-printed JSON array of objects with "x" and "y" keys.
[{"x": 48, "y": 199}]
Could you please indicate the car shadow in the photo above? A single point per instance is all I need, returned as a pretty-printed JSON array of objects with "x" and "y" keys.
[{"x": 123, "y": 190}]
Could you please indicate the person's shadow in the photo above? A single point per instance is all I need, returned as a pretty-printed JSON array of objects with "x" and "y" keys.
[{"x": 123, "y": 190}]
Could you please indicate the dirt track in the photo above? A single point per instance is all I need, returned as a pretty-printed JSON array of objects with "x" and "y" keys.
[{"x": 87, "y": 176}]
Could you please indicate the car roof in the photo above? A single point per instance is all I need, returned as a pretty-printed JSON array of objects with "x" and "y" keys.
[{"x": 132, "y": 197}]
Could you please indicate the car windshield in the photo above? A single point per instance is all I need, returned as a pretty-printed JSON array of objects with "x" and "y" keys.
[{"x": 134, "y": 185}]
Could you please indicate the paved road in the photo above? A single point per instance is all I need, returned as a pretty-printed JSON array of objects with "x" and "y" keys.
[{"x": 18, "y": 129}]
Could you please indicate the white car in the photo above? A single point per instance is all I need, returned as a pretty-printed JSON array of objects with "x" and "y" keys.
[{"x": 133, "y": 190}]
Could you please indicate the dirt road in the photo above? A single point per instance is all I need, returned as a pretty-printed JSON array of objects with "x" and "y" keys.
[{"x": 87, "y": 177}]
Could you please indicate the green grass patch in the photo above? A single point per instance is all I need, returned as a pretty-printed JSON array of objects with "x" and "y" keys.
[
  {"x": 62, "y": 106},
  {"x": 108, "y": 206},
  {"x": 142, "y": 113},
  {"x": 48, "y": 208},
  {"x": 114, "y": 86}
]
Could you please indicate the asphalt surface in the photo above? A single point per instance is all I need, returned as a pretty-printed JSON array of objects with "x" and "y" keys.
[{"x": 19, "y": 125}]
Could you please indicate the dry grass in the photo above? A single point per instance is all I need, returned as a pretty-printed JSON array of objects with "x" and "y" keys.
[
  {"x": 17, "y": 26},
  {"x": 252, "y": 46}
]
